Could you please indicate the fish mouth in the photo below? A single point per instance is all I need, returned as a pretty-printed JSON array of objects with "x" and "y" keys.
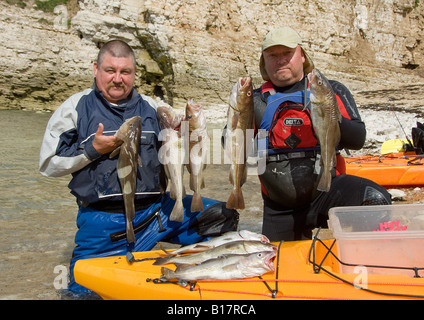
[
  {"x": 264, "y": 238},
  {"x": 313, "y": 74},
  {"x": 245, "y": 81},
  {"x": 310, "y": 77},
  {"x": 269, "y": 261}
]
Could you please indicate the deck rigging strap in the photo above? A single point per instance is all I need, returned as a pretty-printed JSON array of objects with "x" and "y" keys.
[
  {"x": 277, "y": 269},
  {"x": 317, "y": 267}
]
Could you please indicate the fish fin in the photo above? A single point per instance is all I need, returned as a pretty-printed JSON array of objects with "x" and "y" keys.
[
  {"x": 162, "y": 260},
  {"x": 229, "y": 267},
  {"x": 172, "y": 191},
  {"x": 177, "y": 213},
  {"x": 339, "y": 116},
  {"x": 196, "y": 202},
  {"x": 307, "y": 105},
  {"x": 202, "y": 184},
  {"x": 164, "y": 250},
  {"x": 235, "y": 200},
  {"x": 183, "y": 266},
  {"x": 193, "y": 249},
  {"x": 202, "y": 246},
  {"x": 115, "y": 152},
  {"x": 167, "y": 273},
  {"x": 325, "y": 182}
]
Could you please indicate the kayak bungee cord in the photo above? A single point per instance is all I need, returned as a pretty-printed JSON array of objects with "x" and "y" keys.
[{"x": 320, "y": 267}]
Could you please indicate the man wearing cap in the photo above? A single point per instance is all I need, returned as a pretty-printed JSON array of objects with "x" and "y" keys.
[{"x": 292, "y": 204}]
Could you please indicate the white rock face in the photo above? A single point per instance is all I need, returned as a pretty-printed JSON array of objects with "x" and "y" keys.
[{"x": 199, "y": 48}]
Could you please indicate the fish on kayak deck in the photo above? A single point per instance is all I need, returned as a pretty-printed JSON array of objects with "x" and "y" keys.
[
  {"x": 231, "y": 266},
  {"x": 234, "y": 247},
  {"x": 217, "y": 241}
]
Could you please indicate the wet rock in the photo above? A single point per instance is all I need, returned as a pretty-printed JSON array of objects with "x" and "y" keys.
[{"x": 397, "y": 195}]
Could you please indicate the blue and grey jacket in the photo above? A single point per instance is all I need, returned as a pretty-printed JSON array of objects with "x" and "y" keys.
[{"x": 67, "y": 147}]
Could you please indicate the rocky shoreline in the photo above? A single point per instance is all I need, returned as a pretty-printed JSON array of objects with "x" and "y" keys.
[{"x": 198, "y": 49}]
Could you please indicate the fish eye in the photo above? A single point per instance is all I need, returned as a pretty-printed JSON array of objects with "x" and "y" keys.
[
  {"x": 189, "y": 117},
  {"x": 320, "y": 82},
  {"x": 249, "y": 93},
  {"x": 260, "y": 255}
]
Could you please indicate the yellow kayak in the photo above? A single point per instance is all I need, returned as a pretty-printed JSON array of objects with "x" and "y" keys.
[
  {"x": 303, "y": 270},
  {"x": 389, "y": 170}
]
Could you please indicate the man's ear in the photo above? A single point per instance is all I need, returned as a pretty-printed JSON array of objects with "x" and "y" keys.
[{"x": 95, "y": 67}]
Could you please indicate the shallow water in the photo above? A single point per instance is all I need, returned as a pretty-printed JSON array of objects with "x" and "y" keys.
[{"x": 37, "y": 214}]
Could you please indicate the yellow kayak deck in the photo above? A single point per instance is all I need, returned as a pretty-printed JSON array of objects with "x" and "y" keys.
[{"x": 304, "y": 270}]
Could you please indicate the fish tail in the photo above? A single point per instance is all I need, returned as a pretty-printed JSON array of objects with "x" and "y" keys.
[
  {"x": 325, "y": 182},
  {"x": 163, "y": 249},
  {"x": 167, "y": 273},
  {"x": 196, "y": 202},
  {"x": 177, "y": 213},
  {"x": 161, "y": 261},
  {"x": 235, "y": 200}
]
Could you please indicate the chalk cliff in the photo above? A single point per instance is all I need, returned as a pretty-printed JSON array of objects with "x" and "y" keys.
[{"x": 198, "y": 49}]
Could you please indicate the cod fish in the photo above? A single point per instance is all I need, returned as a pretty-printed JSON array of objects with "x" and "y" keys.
[
  {"x": 198, "y": 151},
  {"x": 235, "y": 247},
  {"x": 239, "y": 120},
  {"x": 171, "y": 155},
  {"x": 325, "y": 114},
  {"x": 227, "y": 237},
  {"x": 225, "y": 267},
  {"x": 128, "y": 162}
]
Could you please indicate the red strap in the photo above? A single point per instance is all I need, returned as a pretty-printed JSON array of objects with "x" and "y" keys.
[{"x": 267, "y": 86}]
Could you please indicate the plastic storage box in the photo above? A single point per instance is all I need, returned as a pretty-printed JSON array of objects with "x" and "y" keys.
[{"x": 390, "y": 236}]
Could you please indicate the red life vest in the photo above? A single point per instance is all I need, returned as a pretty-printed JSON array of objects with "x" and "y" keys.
[{"x": 288, "y": 126}]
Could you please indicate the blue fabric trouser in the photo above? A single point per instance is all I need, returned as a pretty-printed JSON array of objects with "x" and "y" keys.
[{"x": 93, "y": 238}]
